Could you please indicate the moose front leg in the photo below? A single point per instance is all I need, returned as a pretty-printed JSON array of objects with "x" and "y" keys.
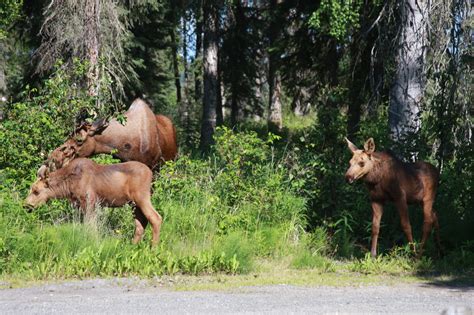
[
  {"x": 87, "y": 204},
  {"x": 377, "y": 211}
]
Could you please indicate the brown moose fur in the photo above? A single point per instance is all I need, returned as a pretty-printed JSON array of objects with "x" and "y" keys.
[
  {"x": 167, "y": 138},
  {"x": 86, "y": 184},
  {"x": 389, "y": 179},
  {"x": 145, "y": 138}
]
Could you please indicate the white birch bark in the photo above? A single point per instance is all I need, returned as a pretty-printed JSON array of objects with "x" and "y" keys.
[{"x": 406, "y": 94}]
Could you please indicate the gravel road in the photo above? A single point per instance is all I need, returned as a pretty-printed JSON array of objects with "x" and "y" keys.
[{"x": 120, "y": 296}]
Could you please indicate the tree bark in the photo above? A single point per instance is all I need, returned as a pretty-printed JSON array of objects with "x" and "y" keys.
[
  {"x": 219, "y": 108},
  {"x": 210, "y": 75},
  {"x": 300, "y": 104},
  {"x": 407, "y": 90},
  {"x": 275, "y": 121},
  {"x": 3, "y": 86},
  {"x": 184, "y": 105},
  {"x": 197, "y": 56},
  {"x": 177, "y": 81},
  {"x": 92, "y": 11}
]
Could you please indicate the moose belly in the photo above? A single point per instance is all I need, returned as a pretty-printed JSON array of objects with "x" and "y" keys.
[{"x": 114, "y": 201}]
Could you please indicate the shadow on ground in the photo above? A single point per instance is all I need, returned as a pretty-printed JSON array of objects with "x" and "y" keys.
[{"x": 459, "y": 282}]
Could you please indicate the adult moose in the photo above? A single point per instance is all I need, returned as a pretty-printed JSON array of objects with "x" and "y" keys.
[
  {"x": 145, "y": 138},
  {"x": 389, "y": 179},
  {"x": 86, "y": 184}
]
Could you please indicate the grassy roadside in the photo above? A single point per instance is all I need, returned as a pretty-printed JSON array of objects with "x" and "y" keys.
[
  {"x": 305, "y": 278},
  {"x": 386, "y": 271}
]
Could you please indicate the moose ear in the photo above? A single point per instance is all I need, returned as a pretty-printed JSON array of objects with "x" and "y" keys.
[
  {"x": 369, "y": 146},
  {"x": 351, "y": 145},
  {"x": 42, "y": 172},
  {"x": 97, "y": 127}
]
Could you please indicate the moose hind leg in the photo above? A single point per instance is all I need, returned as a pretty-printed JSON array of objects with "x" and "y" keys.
[
  {"x": 140, "y": 224},
  {"x": 429, "y": 218},
  {"x": 405, "y": 222},
  {"x": 153, "y": 217},
  {"x": 437, "y": 235}
]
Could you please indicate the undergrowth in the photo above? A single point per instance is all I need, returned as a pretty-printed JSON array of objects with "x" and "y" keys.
[{"x": 220, "y": 214}]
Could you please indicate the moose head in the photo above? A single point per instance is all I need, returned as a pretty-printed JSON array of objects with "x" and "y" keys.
[
  {"x": 362, "y": 161},
  {"x": 81, "y": 143}
]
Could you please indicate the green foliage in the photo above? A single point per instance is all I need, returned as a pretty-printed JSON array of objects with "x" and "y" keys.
[
  {"x": 43, "y": 118},
  {"x": 9, "y": 12},
  {"x": 38, "y": 124},
  {"x": 455, "y": 199},
  {"x": 335, "y": 17},
  {"x": 398, "y": 261},
  {"x": 312, "y": 252}
]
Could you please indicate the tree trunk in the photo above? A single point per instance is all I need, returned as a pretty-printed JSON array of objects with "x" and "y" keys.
[
  {"x": 211, "y": 87},
  {"x": 197, "y": 73},
  {"x": 184, "y": 105},
  {"x": 219, "y": 108},
  {"x": 300, "y": 104},
  {"x": 92, "y": 9},
  {"x": 275, "y": 121},
  {"x": 407, "y": 90},
  {"x": 234, "y": 106},
  {"x": 3, "y": 87},
  {"x": 174, "y": 52}
]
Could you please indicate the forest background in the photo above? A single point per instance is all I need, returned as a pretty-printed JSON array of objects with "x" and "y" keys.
[{"x": 263, "y": 94}]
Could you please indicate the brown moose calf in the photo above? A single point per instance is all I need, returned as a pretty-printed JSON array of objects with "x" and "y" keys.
[
  {"x": 389, "y": 179},
  {"x": 86, "y": 184}
]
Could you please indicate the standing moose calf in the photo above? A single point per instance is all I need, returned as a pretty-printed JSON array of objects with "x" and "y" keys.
[
  {"x": 389, "y": 179},
  {"x": 86, "y": 184}
]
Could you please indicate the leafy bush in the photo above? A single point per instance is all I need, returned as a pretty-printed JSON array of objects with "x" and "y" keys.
[{"x": 41, "y": 120}]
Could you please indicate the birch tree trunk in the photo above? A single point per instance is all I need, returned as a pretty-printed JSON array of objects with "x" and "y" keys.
[
  {"x": 177, "y": 82},
  {"x": 211, "y": 87},
  {"x": 91, "y": 25},
  {"x": 406, "y": 93},
  {"x": 184, "y": 106},
  {"x": 197, "y": 56}
]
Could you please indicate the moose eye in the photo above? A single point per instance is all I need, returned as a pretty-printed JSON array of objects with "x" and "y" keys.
[
  {"x": 361, "y": 164},
  {"x": 35, "y": 192}
]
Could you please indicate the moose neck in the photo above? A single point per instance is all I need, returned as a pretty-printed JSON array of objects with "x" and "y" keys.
[
  {"x": 60, "y": 189},
  {"x": 378, "y": 172},
  {"x": 103, "y": 144}
]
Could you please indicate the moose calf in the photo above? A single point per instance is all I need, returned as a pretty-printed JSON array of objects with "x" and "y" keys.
[
  {"x": 86, "y": 184},
  {"x": 389, "y": 179}
]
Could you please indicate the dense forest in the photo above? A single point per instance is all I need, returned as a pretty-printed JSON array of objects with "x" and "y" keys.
[{"x": 262, "y": 94}]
